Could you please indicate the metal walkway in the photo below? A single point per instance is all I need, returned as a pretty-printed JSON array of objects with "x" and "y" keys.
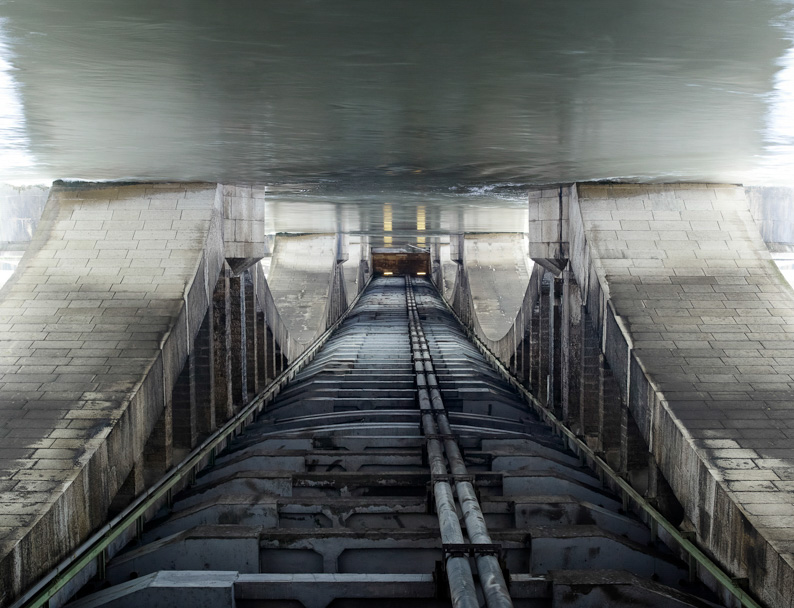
[{"x": 396, "y": 468}]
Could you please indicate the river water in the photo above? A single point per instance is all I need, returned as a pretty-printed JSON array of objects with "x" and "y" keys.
[{"x": 408, "y": 95}]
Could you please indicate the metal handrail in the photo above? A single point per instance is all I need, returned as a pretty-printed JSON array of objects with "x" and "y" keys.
[
  {"x": 96, "y": 545},
  {"x": 582, "y": 450}
]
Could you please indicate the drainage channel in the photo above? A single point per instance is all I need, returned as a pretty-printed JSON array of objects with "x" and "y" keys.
[{"x": 397, "y": 467}]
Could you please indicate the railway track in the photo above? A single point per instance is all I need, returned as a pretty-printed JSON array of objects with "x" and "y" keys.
[{"x": 397, "y": 468}]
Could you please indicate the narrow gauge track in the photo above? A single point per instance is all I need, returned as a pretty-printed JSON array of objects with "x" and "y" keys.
[{"x": 396, "y": 468}]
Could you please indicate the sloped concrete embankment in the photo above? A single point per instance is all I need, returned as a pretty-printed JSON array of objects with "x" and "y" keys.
[
  {"x": 308, "y": 288},
  {"x": 663, "y": 340},
  {"x": 695, "y": 320},
  {"x": 494, "y": 284},
  {"x": 131, "y": 330},
  {"x": 96, "y": 325}
]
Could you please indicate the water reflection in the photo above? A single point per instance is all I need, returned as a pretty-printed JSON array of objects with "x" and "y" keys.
[
  {"x": 411, "y": 92},
  {"x": 778, "y": 158},
  {"x": 15, "y": 158},
  {"x": 9, "y": 260},
  {"x": 397, "y": 218}
]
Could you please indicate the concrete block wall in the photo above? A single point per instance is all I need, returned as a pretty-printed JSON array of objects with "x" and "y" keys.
[
  {"x": 20, "y": 211},
  {"x": 126, "y": 337},
  {"x": 694, "y": 320},
  {"x": 772, "y": 209},
  {"x": 548, "y": 223},
  {"x": 685, "y": 377},
  {"x": 95, "y": 330},
  {"x": 243, "y": 225}
]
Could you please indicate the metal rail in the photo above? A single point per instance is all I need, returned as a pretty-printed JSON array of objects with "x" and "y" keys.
[
  {"x": 437, "y": 428},
  {"x": 96, "y": 547},
  {"x": 695, "y": 555}
]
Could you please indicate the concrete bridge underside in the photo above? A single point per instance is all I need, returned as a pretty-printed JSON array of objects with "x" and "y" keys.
[{"x": 650, "y": 319}]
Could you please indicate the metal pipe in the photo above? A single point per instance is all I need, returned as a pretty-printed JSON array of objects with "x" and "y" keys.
[
  {"x": 492, "y": 579},
  {"x": 461, "y": 581}
]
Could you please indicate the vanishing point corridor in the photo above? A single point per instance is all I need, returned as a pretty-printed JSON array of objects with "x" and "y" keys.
[{"x": 398, "y": 466}]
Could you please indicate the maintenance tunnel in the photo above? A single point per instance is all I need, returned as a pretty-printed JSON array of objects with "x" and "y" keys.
[
  {"x": 397, "y": 467},
  {"x": 303, "y": 428},
  {"x": 228, "y": 413}
]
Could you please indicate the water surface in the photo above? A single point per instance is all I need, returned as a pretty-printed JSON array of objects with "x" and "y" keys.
[{"x": 413, "y": 93}]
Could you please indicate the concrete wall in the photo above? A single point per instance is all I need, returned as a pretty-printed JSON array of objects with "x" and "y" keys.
[
  {"x": 694, "y": 320},
  {"x": 772, "y": 209},
  {"x": 96, "y": 325},
  {"x": 491, "y": 288},
  {"x": 20, "y": 211},
  {"x": 126, "y": 336},
  {"x": 301, "y": 280},
  {"x": 663, "y": 340}
]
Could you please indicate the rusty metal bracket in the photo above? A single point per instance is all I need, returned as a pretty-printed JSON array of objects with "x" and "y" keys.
[
  {"x": 441, "y": 436},
  {"x": 451, "y": 478},
  {"x": 470, "y": 549}
]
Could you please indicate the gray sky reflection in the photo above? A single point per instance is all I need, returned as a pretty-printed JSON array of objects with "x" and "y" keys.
[{"x": 435, "y": 94}]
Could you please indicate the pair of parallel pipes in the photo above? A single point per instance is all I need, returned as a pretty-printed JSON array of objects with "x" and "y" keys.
[{"x": 436, "y": 428}]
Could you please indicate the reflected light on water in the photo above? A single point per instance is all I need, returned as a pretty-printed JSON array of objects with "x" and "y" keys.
[
  {"x": 439, "y": 94},
  {"x": 387, "y": 223},
  {"x": 14, "y": 155},
  {"x": 777, "y": 164}
]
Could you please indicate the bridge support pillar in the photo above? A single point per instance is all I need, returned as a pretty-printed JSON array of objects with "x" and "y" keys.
[
  {"x": 204, "y": 378},
  {"x": 555, "y": 345},
  {"x": 221, "y": 337},
  {"x": 251, "y": 334},
  {"x": 158, "y": 454},
  {"x": 237, "y": 327},
  {"x": 589, "y": 395},
  {"x": 185, "y": 416},
  {"x": 544, "y": 335},
  {"x": 571, "y": 363}
]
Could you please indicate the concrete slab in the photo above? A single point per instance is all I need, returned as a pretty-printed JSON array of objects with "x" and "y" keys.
[
  {"x": 89, "y": 351},
  {"x": 696, "y": 330},
  {"x": 498, "y": 272},
  {"x": 301, "y": 278}
]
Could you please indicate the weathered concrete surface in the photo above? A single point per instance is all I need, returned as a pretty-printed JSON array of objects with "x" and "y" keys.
[
  {"x": 494, "y": 295},
  {"x": 773, "y": 211},
  {"x": 301, "y": 280},
  {"x": 20, "y": 211},
  {"x": 448, "y": 270},
  {"x": 548, "y": 222},
  {"x": 94, "y": 328},
  {"x": 696, "y": 324},
  {"x": 498, "y": 274},
  {"x": 243, "y": 225},
  {"x": 352, "y": 269}
]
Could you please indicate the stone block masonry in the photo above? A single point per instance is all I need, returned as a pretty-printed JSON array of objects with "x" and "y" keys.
[
  {"x": 677, "y": 326},
  {"x": 685, "y": 294},
  {"x": 137, "y": 323},
  {"x": 243, "y": 226},
  {"x": 95, "y": 327}
]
